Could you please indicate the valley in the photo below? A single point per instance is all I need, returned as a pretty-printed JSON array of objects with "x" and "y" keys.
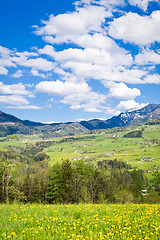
[
  {"x": 73, "y": 164},
  {"x": 96, "y": 146}
]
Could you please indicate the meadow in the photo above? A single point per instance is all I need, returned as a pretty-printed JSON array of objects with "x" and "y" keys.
[
  {"x": 108, "y": 145},
  {"x": 82, "y": 221},
  {"x": 79, "y": 221},
  {"x": 99, "y": 145}
]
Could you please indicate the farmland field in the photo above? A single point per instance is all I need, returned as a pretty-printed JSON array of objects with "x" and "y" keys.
[
  {"x": 83, "y": 221},
  {"x": 100, "y": 145},
  {"x": 109, "y": 146}
]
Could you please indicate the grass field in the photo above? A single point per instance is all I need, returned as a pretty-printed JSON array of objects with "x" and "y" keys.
[
  {"x": 106, "y": 145},
  {"x": 80, "y": 222}
]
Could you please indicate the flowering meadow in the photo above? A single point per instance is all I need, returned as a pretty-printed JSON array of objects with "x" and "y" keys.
[{"x": 82, "y": 221}]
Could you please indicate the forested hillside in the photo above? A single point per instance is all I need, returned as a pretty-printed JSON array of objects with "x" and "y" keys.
[{"x": 117, "y": 165}]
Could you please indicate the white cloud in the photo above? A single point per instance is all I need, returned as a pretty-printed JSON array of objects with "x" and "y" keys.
[
  {"x": 13, "y": 100},
  {"x": 89, "y": 102},
  {"x": 155, "y": 78},
  {"x": 4, "y": 51},
  {"x": 67, "y": 27},
  {"x": 95, "y": 56},
  {"x": 38, "y": 63},
  {"x": 21, "y": 57},
  {"x": 3, "y": 71},
  {"x": 76, "y": 94},
  {"x": 7, "y": 62},
  {"x": 133, "y": 28},
  {"x": 26, "y": 54},
  {"x": 107, "y": 3},
  {"x": 48, "y": 50},
  {"x": 147, "y": 56},
  {"x": 123, "y": 106},
  {"x": 97, "y": 40},
  {"x": 62, "y": 88},
  {"x": 24, "y": 107},
  {"x": 121, "y": 91},
  {"x": 16, "y": 89},
  {"x": 105, "y": 73},
  {"x": 18, "y": 74},
  {"x": 143, "y": 4},
  {"x": 37, "y": 74},
  {"x": 111, "y": 111}
]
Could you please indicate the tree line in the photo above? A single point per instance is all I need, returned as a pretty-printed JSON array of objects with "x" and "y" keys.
[{"x": 76, "y": 182}]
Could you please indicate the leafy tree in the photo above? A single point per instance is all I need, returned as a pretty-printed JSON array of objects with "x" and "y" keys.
[
  {"x": 124, "y": 196},
  {"x": 40, "y": 157},
  {"x": 5, "y": 176},
  {"x": 133, "y": 134}
]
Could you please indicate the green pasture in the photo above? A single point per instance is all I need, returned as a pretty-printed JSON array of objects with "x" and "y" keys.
[
  {"x": 102, "y": 145},
  {"x": 112, "y": 146}
]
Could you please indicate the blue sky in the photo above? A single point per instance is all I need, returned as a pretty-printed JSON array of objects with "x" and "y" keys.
[{"x": 71, "y": 60}]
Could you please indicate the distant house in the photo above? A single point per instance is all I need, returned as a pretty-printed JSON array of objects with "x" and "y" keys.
[
  {"x": 76, "y": 158},
  {"x": 149, "y": 159},
  {"x": 144, "y": 192},
  {"x": 107, "y": 154}
]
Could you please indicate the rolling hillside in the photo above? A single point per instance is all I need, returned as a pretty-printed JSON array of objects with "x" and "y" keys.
[{"x": 11, "y": 125}]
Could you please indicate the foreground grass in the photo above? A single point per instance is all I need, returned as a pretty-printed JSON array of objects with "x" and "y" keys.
[{"x": 77, "y": 222}]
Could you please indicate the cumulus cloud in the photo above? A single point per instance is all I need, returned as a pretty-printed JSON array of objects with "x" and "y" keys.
[
  {"x": 31, "y": 60},
  {"x": 154, "y": 78},
  {"x": 3, "y": 71},
  {"x": 38, "y": 63},
  {"x": 78, "y": 95},
  {"x": 121, "y": 91},
  {"x": 67, "y": 27},
  {"x": 17, "y": 74},
  {"x": 147, "y": 56},
  {"x": 4, "y": 52},
  {"x": 48, "y": 50},
  {"x": 13, "y": 100},
  {"x": 14, "y": 96},
  {"x": 89, "y": 102},
  {"x": 61, "y": 88},
  {"x": 105, "y": 73},
  {"x": 97, "y": 40},
  {"x": 143, "y": 4},
  {"x": 123, "y": 106},
  {"x": 36, "y": 73},
  {"x": 133, "y": 28},
  {"x": 110, "y": 4},
  {"x": 16, "y": 89},
  {"x": 91, "y": 52},
  {"x": 7, "y": 62},
  {"x": 93, "y": 55}
]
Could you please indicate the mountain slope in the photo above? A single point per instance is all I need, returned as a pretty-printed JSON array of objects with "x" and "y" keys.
[
  {"x": 132, "y": 117},
  {"x": 4, "y": 118},
  {"x": 12, "y": 125}
]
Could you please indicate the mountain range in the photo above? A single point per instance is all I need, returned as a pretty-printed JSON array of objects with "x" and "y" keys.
[{"x": 10, "y": 124}]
